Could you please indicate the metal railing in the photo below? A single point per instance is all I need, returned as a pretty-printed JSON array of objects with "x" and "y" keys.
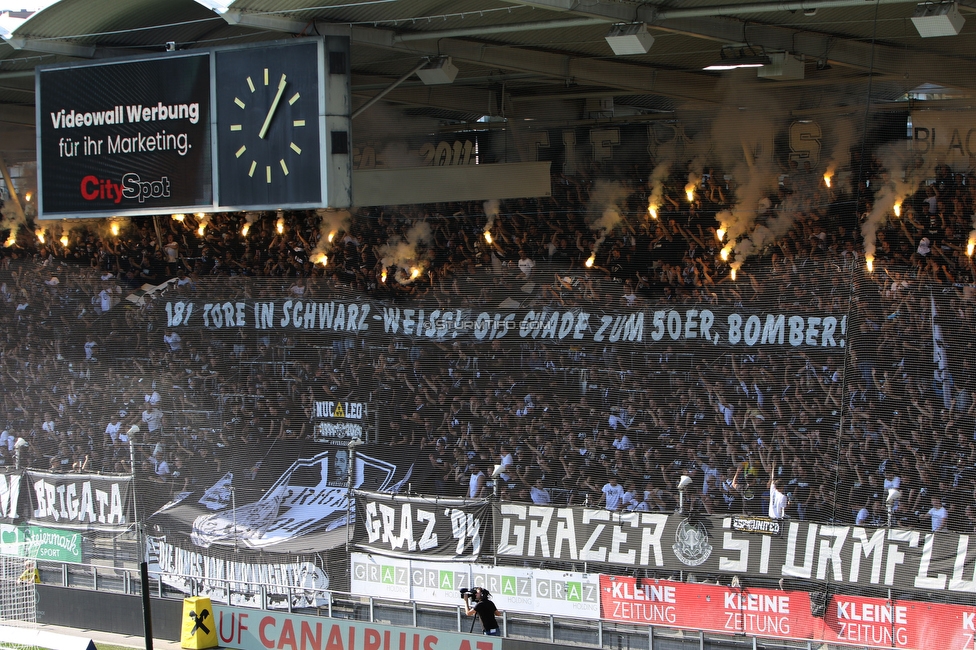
[{"x": 520, "y": 626}]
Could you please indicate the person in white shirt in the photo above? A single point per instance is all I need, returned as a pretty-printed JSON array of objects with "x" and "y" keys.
[
  {"x": 476, "y": 484},
  {"x": 938, "y": 514},
  {"x": 777, "y": 501},
  {"x": 540, "y": 496},
  {"x": 525, "y": 264},
  {"x": 613, "y": 495},
  {"x": 173, "y": 340}
]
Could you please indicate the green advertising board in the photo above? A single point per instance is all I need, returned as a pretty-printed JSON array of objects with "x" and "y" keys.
[{"x": 41, "y": 543}]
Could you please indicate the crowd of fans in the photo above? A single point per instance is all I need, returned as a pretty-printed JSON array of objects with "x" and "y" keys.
[{"x": 86, "y": 353}]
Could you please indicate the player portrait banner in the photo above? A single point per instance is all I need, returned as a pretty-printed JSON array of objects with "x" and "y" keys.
[
  {"x": 908, "y": 560},
  {"x": 448, "y": 529},
  {"x": 124, "y": 137},
  {"x": 293, "y": 499},
  {"x": 513, "y": 589},
  {"x": 86, "y": 501}
]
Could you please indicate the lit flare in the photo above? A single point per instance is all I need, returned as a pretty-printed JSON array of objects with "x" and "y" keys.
[
  {"x": 720, "y": 233},
  {"x": 590, "y": 260},
  {"x": 179, "y": 217},
  {"x": 827, "y": 178},
  {"x": 869, "y": 263},
  {"x": 487, "y": 236},
  {"x": 383, "y": 276},
  {"x": 246, "y": 229},
  {"x": 64, "y": 240},
  {"x": 115, "y": 229},
  {"x": 40, "y": 236},
  {"x": 652, "y": 210},
  {"x": 280, "y": 226}
]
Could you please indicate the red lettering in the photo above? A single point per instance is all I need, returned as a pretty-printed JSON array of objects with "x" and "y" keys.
[
  {"x": 266, "y": 622},
  {"x": 314, "y": 641},
  {"x": 352, "y": 638},
  {"x": 465, "y": 645},
  {"x": 220, "y": 628},
  {"x": 87, "y": 194},
  {"x": 240, "y": 626},
  {"x": 484, "y": 645},
  {"x": 335, "y": 639},
  {"x": 287, "y": 637},
  {"x": 371, "y": 639},
  {"x": 386, "y": 640},
  {"x": 430, "y": 641}
]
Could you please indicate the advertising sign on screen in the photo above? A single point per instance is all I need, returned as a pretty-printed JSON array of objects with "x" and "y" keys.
[{"x": 126, "y": 137}]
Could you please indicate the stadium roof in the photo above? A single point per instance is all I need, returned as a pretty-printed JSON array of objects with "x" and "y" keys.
[{"x": 528, "y": 59}]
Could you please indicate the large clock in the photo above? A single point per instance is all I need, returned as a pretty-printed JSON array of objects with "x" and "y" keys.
[{"x": 268, "y": 104}]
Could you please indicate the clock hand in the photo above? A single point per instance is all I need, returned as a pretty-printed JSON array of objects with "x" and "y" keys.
[{"x": 274, "y": 105}]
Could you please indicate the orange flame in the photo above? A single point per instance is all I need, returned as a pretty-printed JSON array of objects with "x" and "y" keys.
[
  {"x": 245, "y": 229},
  {"x": 652, "y": 210},
  {"x": 487, "y": 236},
  {"x": 590, "y": 260},
  {"x": 827, "y": 178},
  {"x": 383, "y": 275},
  {"x": 869, "y": 263},
  {"x": 720, "y": 233},
  {"x": 897, "y": 209}
]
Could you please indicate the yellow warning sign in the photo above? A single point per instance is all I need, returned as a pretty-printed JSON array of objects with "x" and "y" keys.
[{"x": 199, "y": 628}]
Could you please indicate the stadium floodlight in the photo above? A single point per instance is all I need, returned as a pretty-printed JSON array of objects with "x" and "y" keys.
[{"x": 683, "y": 483}]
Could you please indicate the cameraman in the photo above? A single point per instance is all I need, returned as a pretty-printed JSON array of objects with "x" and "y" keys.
[{"x": 484, "y": 608}]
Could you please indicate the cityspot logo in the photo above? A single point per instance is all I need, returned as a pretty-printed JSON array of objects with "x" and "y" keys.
[{"x": 131, "y": 188}]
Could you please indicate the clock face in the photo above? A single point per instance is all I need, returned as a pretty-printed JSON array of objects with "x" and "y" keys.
[{"x": 268, "y": 150}]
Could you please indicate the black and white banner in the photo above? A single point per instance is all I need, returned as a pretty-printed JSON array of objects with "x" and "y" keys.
[
  {"x": 854, "y": 555},
  {"x": 447, "y": 529},
  {"x": 238, "y": 578},
  {"x": 296, "y": 502},
  {"x": 9, "y": 496},
  {"x": 703, "y": 324},
  {"x": 92, "y": 501}
]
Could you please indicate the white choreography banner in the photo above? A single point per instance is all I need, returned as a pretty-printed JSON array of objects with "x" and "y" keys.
[{"x": 707, "y": 326}]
